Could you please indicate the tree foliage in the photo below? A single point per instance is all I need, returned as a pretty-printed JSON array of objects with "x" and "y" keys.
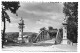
[
  {"x": 42, "y": 29},
  {"x": 10, "y": 36},
  {"x": 71, "y": 12},
  {"x": 12, "y": 6},
  {"x": 50, "y": 28}
]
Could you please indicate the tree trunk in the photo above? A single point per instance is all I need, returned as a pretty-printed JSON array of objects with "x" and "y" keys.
[{"x": 3, "y": 35}]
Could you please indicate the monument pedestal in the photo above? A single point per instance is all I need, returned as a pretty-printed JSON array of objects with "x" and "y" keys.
[
  {"x": 19, "y": 40},
  {"x": 64, "y": 41}
]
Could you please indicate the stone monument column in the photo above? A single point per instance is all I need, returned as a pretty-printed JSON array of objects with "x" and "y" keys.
[
  {"x": 64, "y": 41},
  {"x": 21, "y": 26}
]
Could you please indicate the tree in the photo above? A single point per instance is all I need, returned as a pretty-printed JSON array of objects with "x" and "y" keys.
[
  {"x": 34, "y": 35},
  {"x": 42, "y": 29},
  {"x": 71, "y": 12},
  {"x": 13, "y": 7},
  {"x": 50, "y": 30}
]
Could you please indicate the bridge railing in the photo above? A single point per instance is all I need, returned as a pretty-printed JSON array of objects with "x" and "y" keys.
[{"x": 43, "y": 35}]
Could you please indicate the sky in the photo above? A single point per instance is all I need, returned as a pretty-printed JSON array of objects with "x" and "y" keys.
[{"x": 36, "y": 15}]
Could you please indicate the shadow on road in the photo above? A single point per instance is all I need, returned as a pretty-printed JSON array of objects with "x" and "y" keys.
[
  {"x": 28, "y": 44},
  {"x": 43, "y": 44}
]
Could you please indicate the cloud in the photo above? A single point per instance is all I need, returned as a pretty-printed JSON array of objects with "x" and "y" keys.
[
  {"x": 37, "y": 15},
  {"x": 43, "y": 7},
  {"x": 46, "y": 23},
  {"x": 34, "y": 9},
  {"x": 53, "y": 17},
  {"x": 43, "y": 21},
  {"x": 13, "y": 25}
]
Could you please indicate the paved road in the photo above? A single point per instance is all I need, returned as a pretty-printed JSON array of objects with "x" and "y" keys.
[
  {"x": 32, "y": 48},
  {"x": 41, "y": 46}
]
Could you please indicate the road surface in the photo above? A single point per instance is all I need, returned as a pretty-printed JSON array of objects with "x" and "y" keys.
[{"x": 44, "y": 46}]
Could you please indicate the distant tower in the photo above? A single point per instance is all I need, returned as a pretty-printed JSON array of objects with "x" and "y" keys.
[
  {"x": 64, "y": 41},
  {"x": 21, "y": 26}
]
